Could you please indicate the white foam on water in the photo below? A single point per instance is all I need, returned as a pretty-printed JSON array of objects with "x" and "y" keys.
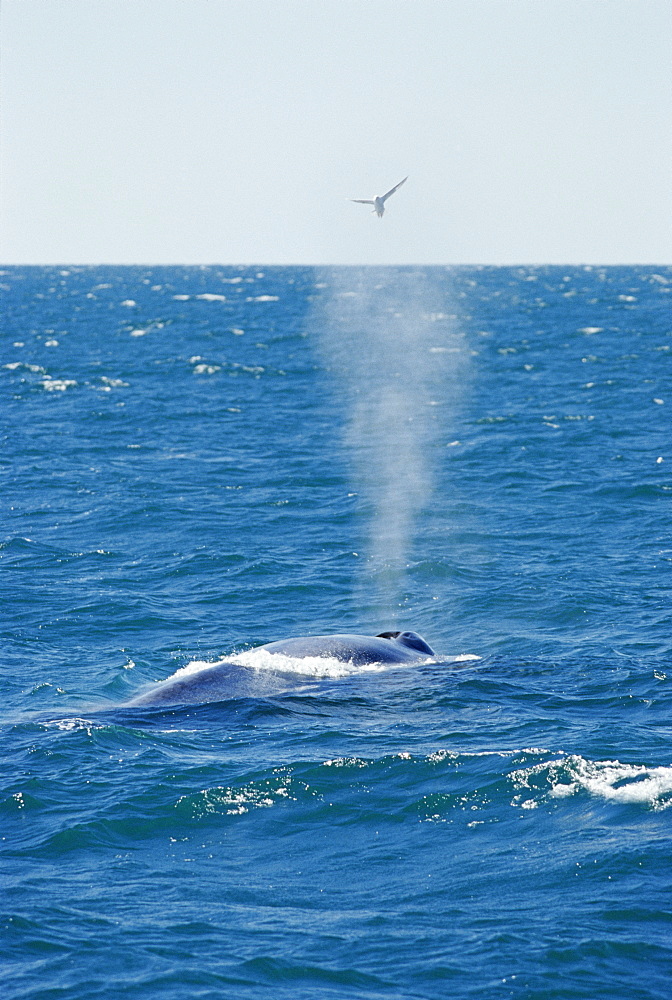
[
  {"x": 310, "y": 667},
  {"x": 305, "y": 666},
  {"x": 36, "y": 369},
  {"x": 113, "y": 383},
  {"x": 57, "y": 384},
  {"x": 609, "y": 780},
  {"x": 203, "y": 369},
  {"x": 72, "y": 725},
  {"x": 236, "y": 801}
]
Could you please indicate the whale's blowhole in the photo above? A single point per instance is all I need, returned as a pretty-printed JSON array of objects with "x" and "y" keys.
[{"x": 410, "y": 639}]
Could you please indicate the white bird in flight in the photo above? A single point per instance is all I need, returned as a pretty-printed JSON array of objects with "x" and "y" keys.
[{"x": 379, "y": 202}]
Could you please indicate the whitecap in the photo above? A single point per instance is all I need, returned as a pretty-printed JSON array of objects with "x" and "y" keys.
[
  {"x": 37, "y": 369},
  {"x": 236, "y": 801},
  {"x": 58, "y": 384},
  {"x": 114, "y": 383},
  {"x": 609, "y": 780},
  {"x": 72, "y": 725},
  {"x": 211, "y": 297}
]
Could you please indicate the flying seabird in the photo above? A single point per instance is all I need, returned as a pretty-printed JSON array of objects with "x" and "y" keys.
[{"x": 379, "y": 202}]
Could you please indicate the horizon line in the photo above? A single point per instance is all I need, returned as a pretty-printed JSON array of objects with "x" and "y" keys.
[{"x": 245, "y": 264}]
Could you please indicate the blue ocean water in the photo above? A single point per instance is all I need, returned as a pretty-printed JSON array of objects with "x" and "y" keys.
[{"x": 199, "y": 460}]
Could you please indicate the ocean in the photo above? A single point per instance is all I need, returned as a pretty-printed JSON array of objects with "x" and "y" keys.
[{"x": 200, "y": 460}]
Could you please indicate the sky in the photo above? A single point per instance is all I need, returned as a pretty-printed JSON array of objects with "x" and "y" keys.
[{"x": 235, "y": 131}]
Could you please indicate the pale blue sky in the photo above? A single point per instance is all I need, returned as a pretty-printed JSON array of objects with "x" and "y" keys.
[{"x": 234, "y": 131}]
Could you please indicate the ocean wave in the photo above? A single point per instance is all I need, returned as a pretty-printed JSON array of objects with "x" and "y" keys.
[{"x": 609, "y": 780}]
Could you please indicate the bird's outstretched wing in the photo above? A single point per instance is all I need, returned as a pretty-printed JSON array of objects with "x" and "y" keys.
[
  {"x": 392, "y": 190},
  {"x": 363, "y": 201}
]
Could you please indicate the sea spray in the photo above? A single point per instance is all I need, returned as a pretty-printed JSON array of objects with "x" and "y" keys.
[{"x": 391, "y": 343}]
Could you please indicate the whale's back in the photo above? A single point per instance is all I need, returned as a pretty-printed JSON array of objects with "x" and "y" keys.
[
  {"x": 388, "y": 647},
  {"x": 273, "y": 668}
]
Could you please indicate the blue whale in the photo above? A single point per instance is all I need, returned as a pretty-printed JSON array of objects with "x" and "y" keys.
[{"x": 222, "y": 681}]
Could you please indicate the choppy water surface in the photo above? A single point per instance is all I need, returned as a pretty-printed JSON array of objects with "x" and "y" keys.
[{"x": 200, "y": 460}]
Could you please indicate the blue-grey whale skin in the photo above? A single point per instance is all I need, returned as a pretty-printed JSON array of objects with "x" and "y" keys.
[
  {"x": 234, "y": 680},
  {"x": 388, "y": 647},
  {"x": 218, "y": 682}
]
